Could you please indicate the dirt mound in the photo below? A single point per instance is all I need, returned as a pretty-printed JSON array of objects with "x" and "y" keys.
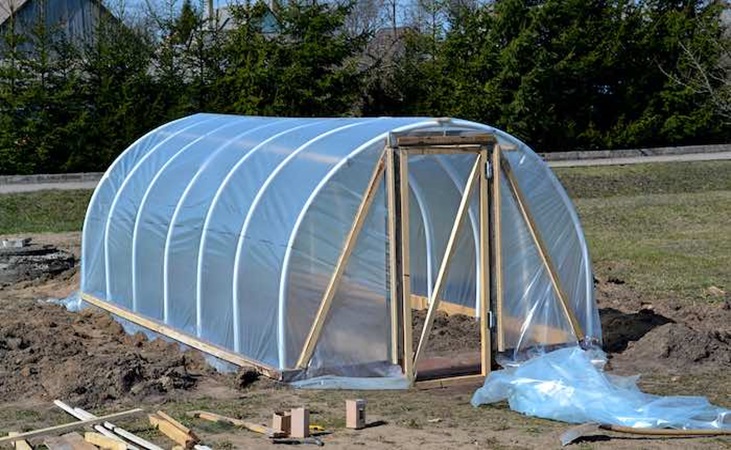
[
  {"x": 86, "y": 358},
  {"x": 677, "y": 348},
  {"x": 450, "y": 333}
]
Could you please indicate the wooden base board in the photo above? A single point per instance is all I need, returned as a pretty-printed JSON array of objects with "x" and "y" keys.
[
  {"x": 444, "y": 382},
  {"x": 172, "y": 333}
]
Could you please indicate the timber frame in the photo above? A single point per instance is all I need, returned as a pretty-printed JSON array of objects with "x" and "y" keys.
[{"x": 491, "y": 172}]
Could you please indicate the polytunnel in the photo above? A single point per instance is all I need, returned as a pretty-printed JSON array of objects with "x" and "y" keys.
[{"x": 307, "y": 246}]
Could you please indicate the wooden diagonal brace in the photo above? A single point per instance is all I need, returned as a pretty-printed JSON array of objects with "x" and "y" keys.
[
  {"x": 542, "y": 249},
  {"x": 348, "y": 247},
  {"x": 464, "y": 206}
]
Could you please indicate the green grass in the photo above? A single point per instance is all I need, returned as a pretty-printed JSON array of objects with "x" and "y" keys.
[
  {"x": 643, "y": 179},
  {"x": 43, "y": 211},
  {"x": 665, "y": 229}
]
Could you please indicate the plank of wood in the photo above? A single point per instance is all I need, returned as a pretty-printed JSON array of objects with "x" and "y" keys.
[
  {"x": 20, "y": 445},
  {"x": 171, "y": 431},
  {"x": 477, "y": 139},
  {"x": 405, "y": 256},
  {"x": 69, "y": 426},
  {"x": 104, "y": 442},
  {"x": 184, "y": 338},
  {"x": 70, "y": 441},
  {"x": 484, "y": 275},
  {"x": 99, "y": 428},
  {"x": 121, "y": 432},
  {"x": 251, "y": 426},
  {"x": 177, "y": 424},
  {"x": 444, "y": 382},
  {"x": 497, "y": 250},
  {"x": 392, "y": 260}
]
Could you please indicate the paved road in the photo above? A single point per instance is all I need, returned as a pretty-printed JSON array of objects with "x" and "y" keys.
[{"x": 69, "y": 185}]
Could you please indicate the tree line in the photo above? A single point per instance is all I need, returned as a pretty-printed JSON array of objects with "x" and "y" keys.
[{"x": 559, "y": 74}]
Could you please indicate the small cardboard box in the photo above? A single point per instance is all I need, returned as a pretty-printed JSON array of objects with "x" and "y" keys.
[
  {"x": 300, "y": 423},
  {"x": 355, "y": 417},
  {"x": 282, "y": 421}
]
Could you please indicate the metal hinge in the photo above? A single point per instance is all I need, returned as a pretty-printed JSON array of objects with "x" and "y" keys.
[
  {"x": 488, "y": 170},
  {"x": 490, "y": 320}
]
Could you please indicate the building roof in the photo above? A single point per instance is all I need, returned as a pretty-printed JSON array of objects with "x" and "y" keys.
[{"x": 9, "y": 7}]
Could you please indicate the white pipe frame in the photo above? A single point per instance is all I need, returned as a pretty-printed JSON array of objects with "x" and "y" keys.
[{"x": 183, "y": 197}]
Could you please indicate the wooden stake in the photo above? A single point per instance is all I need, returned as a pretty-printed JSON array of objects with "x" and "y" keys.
[
  {"x": 349, "y": 245},
  {"x": 170, "y": 430},
  {"x": 542, "y": 250},
  {"x": 446, "y": 259},
  {"x": 69, "y": 426}
]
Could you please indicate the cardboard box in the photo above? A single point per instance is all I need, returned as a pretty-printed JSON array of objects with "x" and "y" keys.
[
  {"x": 282, "y": 421},
  {"x": 355, "y": 417},
  {"x": 300, "y": 423}
]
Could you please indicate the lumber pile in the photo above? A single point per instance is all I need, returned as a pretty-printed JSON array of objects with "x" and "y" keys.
[{"x": 105, "y": 434}]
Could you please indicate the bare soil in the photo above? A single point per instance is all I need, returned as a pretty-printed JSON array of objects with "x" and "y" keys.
[{"x": 86, "y": 359}]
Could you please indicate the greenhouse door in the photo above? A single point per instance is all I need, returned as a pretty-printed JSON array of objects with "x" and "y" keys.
[{"x": 413, "y": 167}]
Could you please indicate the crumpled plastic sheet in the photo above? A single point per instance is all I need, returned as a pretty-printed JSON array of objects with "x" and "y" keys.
[{"x": 569, "y": 385}]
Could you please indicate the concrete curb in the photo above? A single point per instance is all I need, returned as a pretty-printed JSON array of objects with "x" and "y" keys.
[
  {"x": 635, "y": 153},
  {"x": 51, "y": 178}
]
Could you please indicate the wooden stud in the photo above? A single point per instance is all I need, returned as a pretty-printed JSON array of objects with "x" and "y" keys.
[
  {"x": 446, "y": 259},
  {"x": 484, "y": 252},
  {"x": 104, "y": 442},
  {"x": 81, "y": 414},
  {"x": 498, "y": 244},
  {"x": 69, "y": 426},
  {"x": 169, "y": 429},
  {"x": 21, "y": 444},
  {"x": 445, "y": 382},
  {"x": 421, "y": 302},
  {"x": 84, "y": 415},
  {"x": 184, "y": 338},
  {"x": 175, "y": 423},
  {"x": 256, "y": 428},
  {"x": 405, "y": 254},
  {"x": 348, "y": 246},
  {"x": 432, "y": 140},
  {"x": 393, "y": 261},
  {"x": 70, "y": 441},
  {"x": 542, "y": 250}
]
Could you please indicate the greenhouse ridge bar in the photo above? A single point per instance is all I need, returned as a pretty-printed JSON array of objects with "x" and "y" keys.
[{"x": 301, "y": 246}]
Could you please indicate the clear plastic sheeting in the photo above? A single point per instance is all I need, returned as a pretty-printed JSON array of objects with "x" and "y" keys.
[
  {"x": 569, "y": 385},
  {"x": 229, "y": 228}
]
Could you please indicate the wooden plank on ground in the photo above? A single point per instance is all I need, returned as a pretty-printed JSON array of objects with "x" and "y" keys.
[
  {"x": 20, "y": 445},
  {"x": 70, "y": 441},
  {"x": 69, "y": 426},
  {"x": 104, "y": 442},
  {"x": 256, "y": 428},
  {"x": 171, "y": 431}
]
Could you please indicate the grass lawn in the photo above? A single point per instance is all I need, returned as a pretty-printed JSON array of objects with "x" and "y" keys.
[
  {"x": 663, "y": 228},
  {"x": 43, "y": 211}
]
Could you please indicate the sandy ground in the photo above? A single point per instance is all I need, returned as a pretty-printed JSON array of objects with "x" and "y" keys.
[{"x": 87, "y": 359}]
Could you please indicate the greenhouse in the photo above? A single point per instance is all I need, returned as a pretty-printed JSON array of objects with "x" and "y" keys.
[{"x": 323, "y": 249}]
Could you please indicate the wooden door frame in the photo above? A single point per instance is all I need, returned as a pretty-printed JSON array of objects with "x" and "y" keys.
[{"x": 397, "y": 184}]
